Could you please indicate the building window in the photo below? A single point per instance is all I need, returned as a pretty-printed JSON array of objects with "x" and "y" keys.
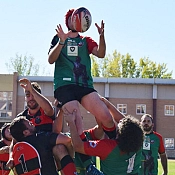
[
  {"x": 140, "y": 109},
  {"x": 122, "y": 108},
  {"x": 169, "y": 143},
  {"x": 6, "y": 104},
  {"x": 169, "y": 110}
]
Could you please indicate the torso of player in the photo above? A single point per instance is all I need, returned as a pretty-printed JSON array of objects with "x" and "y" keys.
[
  {"x": 151, "y": 146},
  {"x": 43, "y": 144},
  {"x": 73, "y": 65},
  {"x": 41, "y": 121},
  {"x": 112, "y": 160}
]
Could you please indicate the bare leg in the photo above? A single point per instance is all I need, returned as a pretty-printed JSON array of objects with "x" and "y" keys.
[
  {"x": 70, "y": 107},
  {"x": 67, "y": 165},
  {"x": 65, "y": 140},
  {"x": 96, "y": 106}
]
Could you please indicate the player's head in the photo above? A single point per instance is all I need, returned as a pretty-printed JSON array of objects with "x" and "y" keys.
[
  {"x": 147, "y": 123},
  {"x": 68, "y": 20},
  {"x": 130, "y": 135},
  {"x": 5, "y": 132},
  {"x": 31, "y": 102},
  {"x": 20, "y": 127}
]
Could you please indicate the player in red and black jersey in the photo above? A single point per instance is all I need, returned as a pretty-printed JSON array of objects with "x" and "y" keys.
[
  {"x": 41, "y": 144},
  {"x": 39, "y": 109},
  {"x": 4, "y": 148},
  {"x": 40, "y": 113}
]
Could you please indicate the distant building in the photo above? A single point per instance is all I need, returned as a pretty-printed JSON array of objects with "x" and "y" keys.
[{"x": 132, "y": 96}]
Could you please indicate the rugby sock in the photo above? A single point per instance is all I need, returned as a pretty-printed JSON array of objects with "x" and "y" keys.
[
  {"x": 68, "y": 166},
  {"x": 110, "y": 132}
]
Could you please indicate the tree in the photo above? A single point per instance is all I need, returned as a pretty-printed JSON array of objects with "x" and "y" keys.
[
  {"x": 124, "y": 66},
  {"x": 95, "y": 68},
  {"x": 113, "y": 67},
  {"x": 128, "y": 66},
  {"x": 24, "y": 65},
  {"x": 150, "y": 69}
]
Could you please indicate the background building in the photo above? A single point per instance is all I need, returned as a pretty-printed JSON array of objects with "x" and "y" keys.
[{"x": 131, "y": 96}]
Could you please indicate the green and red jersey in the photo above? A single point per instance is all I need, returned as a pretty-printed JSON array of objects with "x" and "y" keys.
[
  {"x": 80, "y": 167},
  {"x": 152, "y": 146},
  {"x": 73, "y": 65},
  {"x": 113, "y": 161}
]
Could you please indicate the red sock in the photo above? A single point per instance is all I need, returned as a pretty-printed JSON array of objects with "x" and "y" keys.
[
  {"x": 109, "y": 129},
  {"x": 68, "y": 166},
  {"x": 69, "y": 169},
  {"x": 110, "y": 132}
]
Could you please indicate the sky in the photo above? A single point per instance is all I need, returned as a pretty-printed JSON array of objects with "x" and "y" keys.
[{"x": 141, "y": 28}]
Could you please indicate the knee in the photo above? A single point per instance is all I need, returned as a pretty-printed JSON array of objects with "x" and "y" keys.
[{"x": 59, "y": 151}]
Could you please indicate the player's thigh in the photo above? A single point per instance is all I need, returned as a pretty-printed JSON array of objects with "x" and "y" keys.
[
  {"x": 95, "y": 105},
  {"x": 71, "y": 106}
]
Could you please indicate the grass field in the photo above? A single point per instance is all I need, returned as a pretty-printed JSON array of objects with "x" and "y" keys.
[{"x": 171, "y": 167}]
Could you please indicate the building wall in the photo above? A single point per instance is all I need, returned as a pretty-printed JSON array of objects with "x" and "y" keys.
[
  {"x": 154, "y": 93},
  {"x": 6, "y": 82}
]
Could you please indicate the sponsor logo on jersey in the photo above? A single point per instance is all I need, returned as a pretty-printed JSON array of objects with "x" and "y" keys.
[{"x": 93, "y": 144}]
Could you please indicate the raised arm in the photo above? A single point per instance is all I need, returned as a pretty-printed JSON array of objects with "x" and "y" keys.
[
  {"x": 116, "y": 114},
  {"x": 58, "y": 122},
  {"x": 76, "y": 140},
  {"x": 43, "y": 102},
  {"x": 100, "y": 51},
  {"x": 54, "y": 52}
]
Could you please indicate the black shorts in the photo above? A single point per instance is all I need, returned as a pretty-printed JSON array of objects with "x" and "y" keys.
[{"x": 69, "y": 93}]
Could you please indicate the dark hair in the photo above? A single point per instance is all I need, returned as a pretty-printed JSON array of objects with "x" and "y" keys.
[
  {"x": 36, "y": 86},
  {"x": 130, "y": 135},
  {"x": 17, "y": 127},
  {"x": 3, "y": 128}
]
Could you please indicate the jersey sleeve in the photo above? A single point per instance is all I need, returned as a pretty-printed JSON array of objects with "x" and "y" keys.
[
  {"x": 96, "y": 148},
  {"x": 91, "y": 134},
  {"x": 91, "y": 44},
  {"x": 53, "y": 42},
  {"x": 161, "y": 145}
]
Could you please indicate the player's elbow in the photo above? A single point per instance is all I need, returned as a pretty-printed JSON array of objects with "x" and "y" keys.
[
  {"x": 101, "y": 54},
  {"x": 50, "y": 61}
]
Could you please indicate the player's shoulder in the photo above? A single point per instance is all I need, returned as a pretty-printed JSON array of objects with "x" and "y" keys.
[
  {"x": 109, "y": 142},
  {"x": 55, "y": 39},
  {"x": 23, "y": 113},
  {"x": 157, "y": 134}
]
